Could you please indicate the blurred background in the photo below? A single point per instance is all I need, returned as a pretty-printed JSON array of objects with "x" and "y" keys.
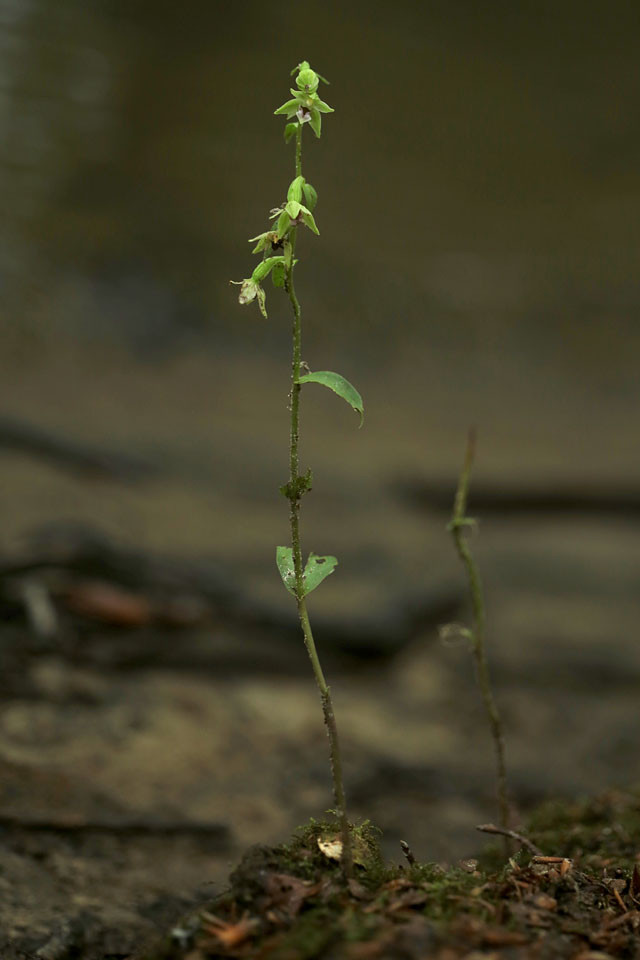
[{"x": 478, "y": 205}]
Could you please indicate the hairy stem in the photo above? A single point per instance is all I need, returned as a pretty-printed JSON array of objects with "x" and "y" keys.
[
  {"x": 294, "y": 519},
  {"x": 459, "y": 521}
]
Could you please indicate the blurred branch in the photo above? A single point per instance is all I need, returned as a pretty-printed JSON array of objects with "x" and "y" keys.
[{"x": 70, "y": 455}]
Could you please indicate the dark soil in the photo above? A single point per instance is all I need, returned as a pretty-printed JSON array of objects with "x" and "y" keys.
[{"x": 579, "y": 900}]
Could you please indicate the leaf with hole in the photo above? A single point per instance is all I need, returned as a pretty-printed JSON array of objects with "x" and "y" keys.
[
  {"x": 316, "y": 570},
  {"x": 339, "y": 385}
]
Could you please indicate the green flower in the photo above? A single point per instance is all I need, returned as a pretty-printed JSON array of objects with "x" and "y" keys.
[{"x": 306, "y": 105}]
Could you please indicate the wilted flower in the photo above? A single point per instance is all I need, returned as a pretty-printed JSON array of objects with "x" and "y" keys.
[{"x": 251, "y": 290}]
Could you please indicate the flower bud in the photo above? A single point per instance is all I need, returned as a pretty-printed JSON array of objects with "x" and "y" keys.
[{"x": 308, "y": 80}]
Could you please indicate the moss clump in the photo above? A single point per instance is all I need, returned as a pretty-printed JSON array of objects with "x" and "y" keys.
[
  {"x": 595, "y": 832},
  {"x": 292, "y": 902},
  {"x": 310, "y": 840}
]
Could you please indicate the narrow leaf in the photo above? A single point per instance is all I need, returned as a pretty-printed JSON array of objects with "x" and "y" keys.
[
  {"x": 322, "y": 106},
  {"x": 284, "y": 220},
  {"x": 316, "y": 570},
  {"x": 262, "y": 301},
  {"x": 315, "y": 121},
  {"x": 307, "y": 219},
  {"x": 289, "y": 107},
  {"x": 339, "y": 385},
  {"x": 310, "y": 196},
  {"x": 284, "y": 559},
  {"x": 264, "y": 239}
]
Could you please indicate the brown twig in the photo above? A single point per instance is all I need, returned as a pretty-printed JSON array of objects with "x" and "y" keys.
[
  {"x": 513, "y": 835},
  {"x": 406, "y": 849}
]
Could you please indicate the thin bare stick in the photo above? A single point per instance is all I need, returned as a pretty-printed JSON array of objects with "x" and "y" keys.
[
  {"x": 459, "y": 522},
  {"x": 408, "y": 852},
  {"x": 512, "y": 834}
]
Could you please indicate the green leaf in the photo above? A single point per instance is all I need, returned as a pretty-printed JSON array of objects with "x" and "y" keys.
[
  {"x": 315, "y": 121},
  {"x": 284, "y": 559},
  {"x": 289, "y": 107},
  {"x": 310, "y": 196},
  {"x": 290, "y": 131},
  {"x": 284, "y": 220},
  {"x": 288, "y": 255},
  {"x": 295, "y": 189},
  {"x": 293, "y": 208},
  {"x": 339, "y": 385},
  {"x": 264, "y": 240},
  {"x": 316, "y": 570},
  {"x": 307, "y": 219},
  {"x": 322, "y": 106},
  {"x": 277, "y": 274}
]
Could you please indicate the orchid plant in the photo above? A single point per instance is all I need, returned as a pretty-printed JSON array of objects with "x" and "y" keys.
[{"x": 277, "y": 247}]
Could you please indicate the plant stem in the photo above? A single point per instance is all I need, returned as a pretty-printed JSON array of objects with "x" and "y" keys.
[
  {"x": 459, "y": 521},
  {"x": 294, "y": 496}
]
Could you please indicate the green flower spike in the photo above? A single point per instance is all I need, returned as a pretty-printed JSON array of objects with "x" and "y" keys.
[{"x": 306, "y": 105}]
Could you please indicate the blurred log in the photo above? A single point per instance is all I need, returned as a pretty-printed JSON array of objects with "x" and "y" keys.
[
  {"x": 94, "y": 462},
  {"x": 101, "y": 582},
  {"x": 501, "y": 499}
]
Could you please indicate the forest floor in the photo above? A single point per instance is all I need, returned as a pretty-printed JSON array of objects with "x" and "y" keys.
[
  {"x": 157, "y": 711},
  {"x": 579, "y": 900}
]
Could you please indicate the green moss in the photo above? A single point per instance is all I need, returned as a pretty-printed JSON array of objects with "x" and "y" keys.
[
  {"x": 385, "y": 904},
  {"x": 303, "y": 852},
  {"x": 600, "y": 831}
]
